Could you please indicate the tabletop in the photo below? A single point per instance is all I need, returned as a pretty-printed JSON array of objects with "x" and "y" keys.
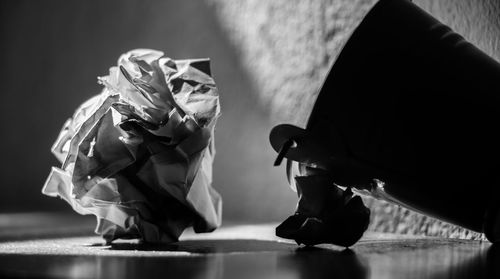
[{"x": 63, "y": 246}]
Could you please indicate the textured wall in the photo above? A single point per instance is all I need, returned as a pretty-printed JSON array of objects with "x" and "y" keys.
[
  {"x": 287, "y": 46},
  {"x": 477, "y": 20}
]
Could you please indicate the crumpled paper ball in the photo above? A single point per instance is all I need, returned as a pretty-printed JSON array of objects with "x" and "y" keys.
[{"x": 139, "y": 155}]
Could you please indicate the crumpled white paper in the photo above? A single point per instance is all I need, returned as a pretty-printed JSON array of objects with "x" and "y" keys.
[{"x": 139, "y": 155}]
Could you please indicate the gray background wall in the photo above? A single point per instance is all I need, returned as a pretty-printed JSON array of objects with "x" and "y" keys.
[{"x": 268, "y": 58}]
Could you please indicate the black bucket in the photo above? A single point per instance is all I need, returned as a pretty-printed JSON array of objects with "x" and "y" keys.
[{"x": 410, "y": 103}]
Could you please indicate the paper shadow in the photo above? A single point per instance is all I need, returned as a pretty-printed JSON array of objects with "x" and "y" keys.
[
  {"x": 284, "y": 258},
  {"x": 208, "y": 246}
]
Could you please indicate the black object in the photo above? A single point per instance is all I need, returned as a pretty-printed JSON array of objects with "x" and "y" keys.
[
  {"x": 409, "y": 112},
  {"x": 325, "y": 214}
]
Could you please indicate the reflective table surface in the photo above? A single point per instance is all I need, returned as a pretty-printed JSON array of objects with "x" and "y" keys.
[{"x": 242, "y": 251}]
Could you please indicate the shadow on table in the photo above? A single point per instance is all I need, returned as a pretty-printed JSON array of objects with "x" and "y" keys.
[
  {"x": 207, "y": 246},
  {"x": 193, "y": 259}
]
